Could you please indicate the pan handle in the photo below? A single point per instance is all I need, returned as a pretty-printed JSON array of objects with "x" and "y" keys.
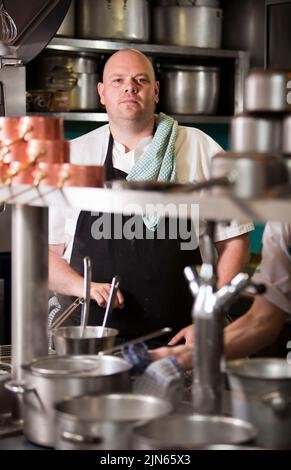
[
  {"x": 19, "y": 387},
  {"x": 80, "y": 439}
]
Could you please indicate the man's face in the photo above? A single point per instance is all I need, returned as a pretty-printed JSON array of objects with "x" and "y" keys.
[{"x": 129, "y": 90}]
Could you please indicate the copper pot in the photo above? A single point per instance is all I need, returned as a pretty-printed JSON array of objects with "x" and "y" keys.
[
  {"x": 39, "y": 127},
  {"x": 9, "y": 129},
  {"x": 50, "y": 151},
  {"x": 14, "y": 151},
  {"x": 66, "y": 174}
]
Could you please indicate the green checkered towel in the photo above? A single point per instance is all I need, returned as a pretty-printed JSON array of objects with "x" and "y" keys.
[{"x": 158, "y": 162}]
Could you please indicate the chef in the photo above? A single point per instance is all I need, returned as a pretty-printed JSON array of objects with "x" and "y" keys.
[{"x": 138, "y": 145}]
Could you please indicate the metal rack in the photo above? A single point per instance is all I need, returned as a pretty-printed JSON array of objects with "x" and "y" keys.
[{"x": 240, "y": 60}]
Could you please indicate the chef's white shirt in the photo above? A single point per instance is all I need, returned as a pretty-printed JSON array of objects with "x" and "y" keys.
[
  {"x": 194, "y": 150},
  {"x": 275, "y": 268}
]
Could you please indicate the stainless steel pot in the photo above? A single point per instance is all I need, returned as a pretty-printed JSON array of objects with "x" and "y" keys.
[
  {"x": 253, "y": 176},
  {"x": 189, "y": 89},
  {"x": 75, "y": 73},
  {"x": 50, "y": 379},
  {"x": 268, "y": 91},
  {"x": 114, "y": 19},
  {"x": 261, "y": 394},
  {"x": 255, "y": 134},
  {"x": 104, "y": 421},
  {"x": 67, "y": 340},
  {"x": 286, "y": 136},
  {"x": 67, "y": 27},
  {"x": 189, "y": 432},
  {"x": 187, "y": 26}
]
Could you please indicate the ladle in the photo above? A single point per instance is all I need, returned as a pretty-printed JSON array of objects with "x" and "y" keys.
[
  {"x": 86, "y": 294},
  {"x": 110, "y": 303}
]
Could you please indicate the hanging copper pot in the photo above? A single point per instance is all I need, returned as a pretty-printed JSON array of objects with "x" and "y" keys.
[
  {"x": 50, "y": 151},
  {"x": 9, "y": 129},
  {"x": 67, "y": 174},
  {"x": 40, "y": 127}
]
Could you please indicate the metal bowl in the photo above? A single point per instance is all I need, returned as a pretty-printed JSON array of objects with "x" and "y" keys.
[
  {"x": 67, "y": 340},
  {"x": 189, "y": 432}
]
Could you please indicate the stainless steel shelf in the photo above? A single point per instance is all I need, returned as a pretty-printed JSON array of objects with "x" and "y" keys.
[
  {"x": 97, "y": 46},
  {"x": 102, "y": 117},
  {"x": 210, "y": 205}
]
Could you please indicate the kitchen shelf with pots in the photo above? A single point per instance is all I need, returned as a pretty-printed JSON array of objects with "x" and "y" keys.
[{"x": 234, "y": 66}]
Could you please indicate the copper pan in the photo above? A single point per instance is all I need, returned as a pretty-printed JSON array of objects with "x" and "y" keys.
[
  {"x": 9, "y": 129},
  {"x": 14, "y": 151},
  {"x": 40, "y": 127},
  {"x": 50, "y": 151}
]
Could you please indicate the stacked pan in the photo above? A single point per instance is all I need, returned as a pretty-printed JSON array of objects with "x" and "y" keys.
[
  {"x": 260, "y": 142},
  {"x": 33, "y": 152}
]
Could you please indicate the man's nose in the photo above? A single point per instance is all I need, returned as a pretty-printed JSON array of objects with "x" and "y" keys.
[{"x": 131, "y": 87}]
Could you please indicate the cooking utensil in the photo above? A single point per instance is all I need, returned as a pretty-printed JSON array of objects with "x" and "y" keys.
[
  {"x": 266, "y": 90},
  {"x": 50, "y": 379},
  {"x": 255, "y": 134},
  {"x": 8, "y": 29},
  {"x": 66, "y": 313},
  {"x": 155, "y": 334},
  {"x": 110, "y": 303},
  {"x": 261, "y": 394},
  {"x": 189, "y": 432},
  {"x": 114, "y": 19},
  {"x": 67, "y": 340},
  {"x": 104, "y": 421},
  {"x": 189, "y": 89},
  {"x": 86, "y": 294},
  {"x": 196, "y": 26}
]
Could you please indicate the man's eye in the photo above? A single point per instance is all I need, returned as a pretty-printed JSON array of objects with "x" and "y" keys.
[
  {"x": 142, "y": 80},
  {"x": 117, "y": 81}
]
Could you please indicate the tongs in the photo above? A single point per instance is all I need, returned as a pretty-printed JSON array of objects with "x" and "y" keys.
[{"x": 66, "y": 313}]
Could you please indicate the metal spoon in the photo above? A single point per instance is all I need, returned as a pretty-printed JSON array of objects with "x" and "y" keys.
[
  {"x": 110, "y": 303},
  {"x": 86, "y": 294}
]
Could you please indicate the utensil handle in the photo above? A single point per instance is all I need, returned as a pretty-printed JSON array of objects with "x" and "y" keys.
[
  {"x": 111, "y": 300},
  {"x": 66, "y": 313},
  {"x": 87, "y": 285},
  {"x": 155, "y": 334}
]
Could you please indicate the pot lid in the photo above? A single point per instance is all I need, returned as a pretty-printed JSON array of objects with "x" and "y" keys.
[
  {"x": 29, "y": 27},
  {"x": 64, "y": 365}
]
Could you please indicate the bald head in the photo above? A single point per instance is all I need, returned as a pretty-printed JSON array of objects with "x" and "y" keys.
[{"x": 126, "y": 55}]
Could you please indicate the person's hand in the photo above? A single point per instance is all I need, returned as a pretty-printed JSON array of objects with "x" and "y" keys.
[
  {"x": 100, "y": 293},
  {"x": 186, "y": 334},
  {"x": 183, "y": 354}
]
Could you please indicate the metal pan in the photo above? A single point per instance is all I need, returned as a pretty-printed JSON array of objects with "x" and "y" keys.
[{"x": 268, "y": 91}]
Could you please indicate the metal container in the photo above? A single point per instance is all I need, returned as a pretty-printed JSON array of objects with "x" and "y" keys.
[
  {"x": 105, "y": 421},
  {"x": 114, "y": 19},
  {"x": 192, "y": 3},
  {"x": 253, "y": 176},
  {"x": 261, "y": 394},
  {"x": 255, "y": 134},
  {"x": 187, "y": 26},
  {"x": 189, "y": 432},
  {"x": 286, "y": 136},
  {"x": 67, "y": 27},
  {"x": 67, "y": 339},
  {"x": 268, "y": 91},
  {"x": 75, "y": 73},
  {"x": 189, "y": 89},
  {"x": 50, "y": 379}
]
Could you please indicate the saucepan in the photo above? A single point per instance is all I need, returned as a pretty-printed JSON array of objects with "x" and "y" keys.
[
  {"x": 35, "y": 150},
  {"x": 268, "y": 91},
  {"x": 104, "y": 421},
  {"x": 190, "y": 432},
  {"x": 261, "y": 394},
  {"x": 50, "y": 379}
]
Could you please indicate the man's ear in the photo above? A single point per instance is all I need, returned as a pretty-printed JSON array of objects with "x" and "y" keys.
[
  {"x": 157, "y": 91},
  {"x": 100, "y": 89}
]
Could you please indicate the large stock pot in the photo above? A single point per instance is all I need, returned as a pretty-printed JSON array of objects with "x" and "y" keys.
[
  {"x": 261, "y": 394},
  {"x": 50, "y": 379},
  {"x": 114, "y": 19}
]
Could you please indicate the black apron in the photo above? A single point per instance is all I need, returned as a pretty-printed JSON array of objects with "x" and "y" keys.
[{"x": 155, "y": 291}]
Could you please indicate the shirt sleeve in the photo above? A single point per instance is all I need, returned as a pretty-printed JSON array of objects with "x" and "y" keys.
[{"x": 275, "y": 268}]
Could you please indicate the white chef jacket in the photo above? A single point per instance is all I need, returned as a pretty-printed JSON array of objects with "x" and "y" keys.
[
  {"x": 275, "y": 268},
  {"x": 194, "y": 150}
]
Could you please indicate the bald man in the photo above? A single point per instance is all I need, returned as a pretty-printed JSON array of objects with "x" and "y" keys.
[{"x": 137, "y": 144}]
